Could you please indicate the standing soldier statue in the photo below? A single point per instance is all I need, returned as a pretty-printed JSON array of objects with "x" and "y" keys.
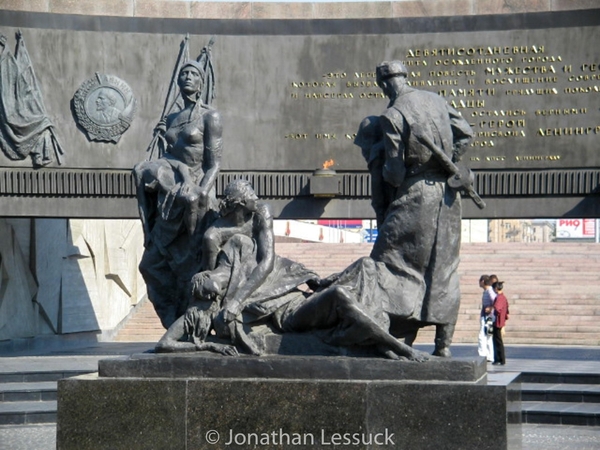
[{"x": 419, "y": 239}]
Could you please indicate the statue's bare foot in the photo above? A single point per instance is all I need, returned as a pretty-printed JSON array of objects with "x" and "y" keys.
[
  {"x": 419, "y": 356},
  {"x": 390, "y": 355}
]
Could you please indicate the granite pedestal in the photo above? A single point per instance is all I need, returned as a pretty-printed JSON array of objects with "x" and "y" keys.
[{"x": 197, "y": 401}]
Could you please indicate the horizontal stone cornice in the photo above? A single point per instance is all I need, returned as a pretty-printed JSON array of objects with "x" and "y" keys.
[{"x": 291, "y": 10}]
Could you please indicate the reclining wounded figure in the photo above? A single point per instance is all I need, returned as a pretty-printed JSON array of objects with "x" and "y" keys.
[
  {"x": 256, "y": 286},
  {"x": 191, "y": 331}
]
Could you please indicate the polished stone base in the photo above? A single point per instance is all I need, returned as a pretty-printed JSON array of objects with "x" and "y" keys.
[
  {"x": 194, "y": 365},
  {"x": 148, "y": 408}
]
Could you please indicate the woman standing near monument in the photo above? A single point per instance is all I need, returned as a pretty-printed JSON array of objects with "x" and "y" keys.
[
  {"x": 176, "y": 196},
  {"x": 501, "y": 313}
]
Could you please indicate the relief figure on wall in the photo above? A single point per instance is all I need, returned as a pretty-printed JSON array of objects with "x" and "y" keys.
[
  {"x": 176, "y": 194},
  {"x": 25, "y": 128}
]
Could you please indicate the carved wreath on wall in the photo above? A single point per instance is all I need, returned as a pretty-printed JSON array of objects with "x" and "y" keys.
[{"x": 104, "y": 107}]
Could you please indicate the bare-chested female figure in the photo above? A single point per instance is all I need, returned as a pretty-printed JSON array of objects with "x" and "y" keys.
[{"x": 176, "y": 196}]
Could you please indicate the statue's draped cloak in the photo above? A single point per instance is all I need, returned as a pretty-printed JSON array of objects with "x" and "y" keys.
[{"x": 419, "y": 241}]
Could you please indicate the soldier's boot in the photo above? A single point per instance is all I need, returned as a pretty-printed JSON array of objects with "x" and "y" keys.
[{"x": 443, "y": 339}]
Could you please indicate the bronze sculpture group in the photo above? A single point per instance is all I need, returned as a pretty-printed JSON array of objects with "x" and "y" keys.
[{"x": 212, "y": 272}]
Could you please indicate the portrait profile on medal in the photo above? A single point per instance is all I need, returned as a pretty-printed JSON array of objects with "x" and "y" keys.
[{"x": 104, "y": 107}]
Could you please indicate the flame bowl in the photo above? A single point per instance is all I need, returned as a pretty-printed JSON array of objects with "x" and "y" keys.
[{"x": 324, "y": 173}]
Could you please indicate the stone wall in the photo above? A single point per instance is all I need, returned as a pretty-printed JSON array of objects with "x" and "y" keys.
[
  {"x": 63, "y": 276},
  {"x": 19, "y": 313},
  {"x": 67, "y": 276}
]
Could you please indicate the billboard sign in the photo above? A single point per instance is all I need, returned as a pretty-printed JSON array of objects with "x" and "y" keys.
[{"x": 576, "y": 228}]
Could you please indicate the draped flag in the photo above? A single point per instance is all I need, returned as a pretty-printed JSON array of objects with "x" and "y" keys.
[{"x": 25, "y": 129}]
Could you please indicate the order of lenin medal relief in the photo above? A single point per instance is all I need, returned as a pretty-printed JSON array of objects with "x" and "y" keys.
[{"x": 104, "y": 107}]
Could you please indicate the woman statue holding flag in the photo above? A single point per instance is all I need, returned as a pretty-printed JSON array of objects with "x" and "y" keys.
[{"x": 176, "y": 194}]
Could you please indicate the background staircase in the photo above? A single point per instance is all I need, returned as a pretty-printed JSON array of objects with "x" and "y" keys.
[
  {"x": 553, "y": 290},
  {"x": 560, "y": 399},
  {"x": 30, "y": 397}
]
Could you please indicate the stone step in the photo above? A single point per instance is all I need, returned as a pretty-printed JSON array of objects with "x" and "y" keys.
[
  {"x": 560, "y": 392},
  {"x": 528, "y": 254},
  {"x": 555, "y": 302},
  {"x": 471, "y": 338},
  {"x": 537, "y": 264},
  {"x": 29, "y": 397},
  {"x": 549, "y": 333},
  {"x": 27, "y": 412},
  {"x": 560, "y": 398},
  {"x": 40, "y": 376},
  {"x": 569, "y": 321},
  {"x": 466, "y": 337},
  {"x": 561, "y": 413},
  {"x": 559, "y": 248},
  {"x": 142, "y": 337},
  {"x": 558, "y": 377},
  {"x": 538, "y": 327},
  {"x": 535, "y": 278},
  {"x": 30, "y": 392},
  {"x": 575, "y": 300}
]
